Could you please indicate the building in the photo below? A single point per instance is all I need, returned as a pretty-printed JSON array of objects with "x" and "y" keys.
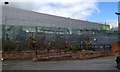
[{"x": 33, "y": 30}]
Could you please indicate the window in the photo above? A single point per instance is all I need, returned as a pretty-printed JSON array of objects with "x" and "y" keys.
[{"x": 29, "y": 29}]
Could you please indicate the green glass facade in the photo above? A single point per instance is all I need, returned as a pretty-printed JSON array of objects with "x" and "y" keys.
[{"x": 16, "y": 37}]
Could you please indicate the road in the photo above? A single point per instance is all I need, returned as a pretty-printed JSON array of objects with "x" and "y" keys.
[{"x": 102, "y": 63}]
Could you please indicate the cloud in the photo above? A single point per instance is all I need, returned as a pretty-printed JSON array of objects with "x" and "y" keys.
[
  {"x": 112, "y": 23},
  {"x": 76, "y": 9}
]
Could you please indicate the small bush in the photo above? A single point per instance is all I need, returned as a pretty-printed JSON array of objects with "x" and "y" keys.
[
  {"x": 9, "y": 46},
  {"x": 75, "y": 47}
]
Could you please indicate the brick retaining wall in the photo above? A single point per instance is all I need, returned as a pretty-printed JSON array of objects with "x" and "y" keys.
[
  {"x": 115, "y": 47},
  {"x": 31, "y": 55}
]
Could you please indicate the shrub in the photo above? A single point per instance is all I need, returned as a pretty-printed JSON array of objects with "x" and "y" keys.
[
  {"x": 75, "y": 47},
  {"x": 9, "y": 46}
]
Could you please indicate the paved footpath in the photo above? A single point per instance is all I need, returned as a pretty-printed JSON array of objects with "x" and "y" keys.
[{"x": 102, "y": 63}]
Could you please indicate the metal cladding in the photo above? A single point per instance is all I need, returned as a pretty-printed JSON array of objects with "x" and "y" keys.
[{"x": 15, "y": 16}]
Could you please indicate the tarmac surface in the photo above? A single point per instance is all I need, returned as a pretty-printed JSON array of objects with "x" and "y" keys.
[{"x": 102, "y": 63}]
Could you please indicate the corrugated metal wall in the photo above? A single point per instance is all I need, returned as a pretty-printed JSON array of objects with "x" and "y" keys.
[{"x": 14, "y": 16}]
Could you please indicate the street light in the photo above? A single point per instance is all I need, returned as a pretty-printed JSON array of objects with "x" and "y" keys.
[
  {"x": 3, "y": 27},
  {"x": 6, "y": 2},
  {"x": 117, "y": 13},
  {"x": 5, "y": 21}
]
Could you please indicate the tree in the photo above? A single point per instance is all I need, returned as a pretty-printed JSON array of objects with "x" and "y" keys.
[{"x": 87, "y": 44}]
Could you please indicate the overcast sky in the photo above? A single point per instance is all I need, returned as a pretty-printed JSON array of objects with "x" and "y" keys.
[{"x": 94, "y": 11}]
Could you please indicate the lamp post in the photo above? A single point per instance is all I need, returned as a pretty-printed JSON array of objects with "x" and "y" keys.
[
  {"x": 6, "y": 3},
  {"x": 3, "y": 27},
  {"x": 118, "y": 13},
  {"x": 5, "y": 20}
]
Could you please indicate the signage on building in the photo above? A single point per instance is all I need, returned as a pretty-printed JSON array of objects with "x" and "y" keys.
[{"x": 106, "y": 27}]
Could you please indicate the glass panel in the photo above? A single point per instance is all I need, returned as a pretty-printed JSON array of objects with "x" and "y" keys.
[
  {"x": 0, "y": 31},
  {"x": 0, "y": 38},
  {"x": 29, "y": 28}
]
